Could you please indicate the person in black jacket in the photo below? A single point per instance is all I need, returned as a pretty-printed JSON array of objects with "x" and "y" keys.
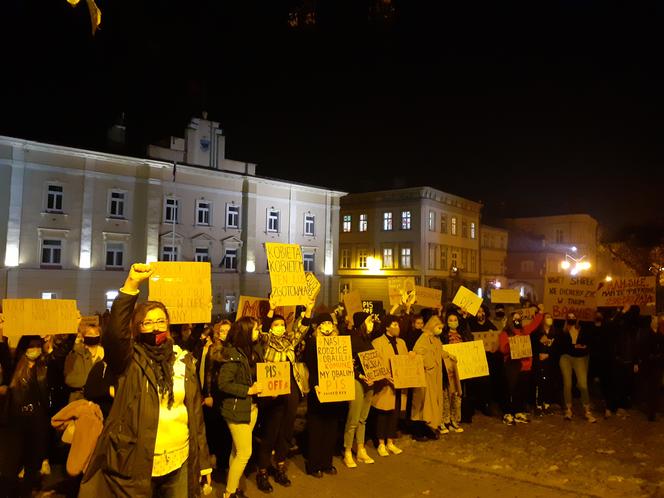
[
  {"x": 626, "y": 328},
  {"x": 651, "y": 364},
  {"x": 545, "y": 362}
]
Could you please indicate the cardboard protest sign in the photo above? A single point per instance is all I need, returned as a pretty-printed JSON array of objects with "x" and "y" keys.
[
  {"x": 90, "y": 321},
  {"x": 289, "y": 283},
  {"x": 372, "y": 307},
  {"x": 467, "y": 299},
  {"x": 505, "y": 296},
  {"x": 396, "y": 286},
  {"x": 274, "y": 378},
  {"x": 374, "y": 365},
  {"x": 471, "y": 359},
  {"x": 313, "y": 285},
  {"x": 352, "y": 302},
  {"x": 336, "y": 377},
  {"x": 258, "y": 307},
  {"x": 489, "y": 338},
  {"x": 185, "y": 288},
  {"x": 564, "y": 294},
  {"x": 627, "y": 291},
  {"x": 39, "y": 316},
  {"x": 407, "y": 371},
  {"x": 428, "y": 297},
  {"x": 520, "y": 347}
]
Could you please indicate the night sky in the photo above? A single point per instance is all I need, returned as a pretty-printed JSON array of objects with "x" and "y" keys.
[{"x": 537, "y": 107}]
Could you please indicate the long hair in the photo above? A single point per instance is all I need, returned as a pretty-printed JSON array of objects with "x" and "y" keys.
[
  {"x": 239, "y": 337},
  {"x": 141, "y": 310}
]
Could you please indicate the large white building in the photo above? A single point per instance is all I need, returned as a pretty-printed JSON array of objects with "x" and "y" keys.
[{"x": 72, "y": 221}]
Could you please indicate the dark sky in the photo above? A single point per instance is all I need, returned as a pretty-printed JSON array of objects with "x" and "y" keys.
[{"x": 537, "y": 107}]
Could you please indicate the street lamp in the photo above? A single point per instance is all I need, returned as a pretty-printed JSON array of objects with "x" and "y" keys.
[{"x": 575, "y": 265}]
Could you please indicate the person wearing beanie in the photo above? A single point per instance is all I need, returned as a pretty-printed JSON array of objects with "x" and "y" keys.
[{"x": 358, "y": 409}]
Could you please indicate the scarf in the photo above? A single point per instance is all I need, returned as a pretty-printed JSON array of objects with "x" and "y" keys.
[{"x": 162, "y": 358}]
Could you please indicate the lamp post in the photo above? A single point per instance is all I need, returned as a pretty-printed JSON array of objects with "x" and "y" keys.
[{"x": 574, "y": 265}]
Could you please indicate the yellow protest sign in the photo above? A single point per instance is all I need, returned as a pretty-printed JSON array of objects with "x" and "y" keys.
[
  {"x": 374, "y": 365},
  {"x": 397, "y": 286},
  {"x": 274, "y": 378},
  {"x": 505, "y": 296},
  {"x": 90, "y": 321},
  {"x": 289, "y": 283},
  {"x": 352, "y": 302},
  {"x": 257, "y": 307},
  {"x": 520, "y": 347},
  {"x": 489, "y": 338},
  {"x": 627, "y": 291},
  {"x": 428, "y": 297},
  {"x": 313, "y": 285},
  {"x": 407, "y": 371},
  {"x": 39, "y": 316},
  {"x": 184, "y": 288},
  {"x": 336, "y": 377},
  {"x": 564, "y": 294},
  {"x": 471, "y": 359},
  {"x": 468, "y": 300}
]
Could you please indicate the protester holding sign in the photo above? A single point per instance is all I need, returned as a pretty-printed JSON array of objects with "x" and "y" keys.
[
  {"x": 456, "y": 330},
  {"x": 154, "y": 437},
  {"x": 544, "y": 343},
  {"x": 358, "y": 409},
  {"x": 517, "y": 372},
  {"x": 86, "y": 352}
]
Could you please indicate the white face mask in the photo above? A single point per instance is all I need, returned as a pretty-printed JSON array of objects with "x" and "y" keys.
[
  {"x": 369, "y": 324},
  {"x": 453, "y": 325},
  {"x": 254, "y": 334},
  {"x": 326, "y": 328},
  {"x": 438, "y": 330},
  {"x": 278, "y": 330},
  {"x": 33, "y": 353}
]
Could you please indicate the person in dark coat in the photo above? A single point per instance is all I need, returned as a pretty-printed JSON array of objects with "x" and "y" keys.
[
  {"x": 153, "y": 442},
  {"x": 651, "y": 364}
]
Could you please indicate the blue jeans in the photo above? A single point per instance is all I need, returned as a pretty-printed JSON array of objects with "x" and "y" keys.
[
  {"x": 358, "y": 411},
  {"x": 173, "y": 485},
  {"x": 578, "y": 365}
]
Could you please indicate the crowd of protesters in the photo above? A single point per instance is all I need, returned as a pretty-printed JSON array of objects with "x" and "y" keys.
[{"x": 140, "y": 407}]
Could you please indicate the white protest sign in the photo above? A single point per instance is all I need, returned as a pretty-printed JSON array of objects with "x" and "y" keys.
[
  {"x": 564, "y": 294},
  {"x": 520, "y": 347},
  {"x": 407, "y": 371},
  {"x": 374, "y": 365},
  {"x": 397, "y": 286},
  {"x": 468, "y": 300},
  {"x": 289, "y": 283},
  {"x": 90, "y": 321},
  {"x": 185, "y": 288},
  {"x": 428, "y": 297},
  {"x": 336, "y": 377},
  {"x": 489, "y": 338},
  {"x": 471, "y": 359},
  {"x": 274, "y": 378}
]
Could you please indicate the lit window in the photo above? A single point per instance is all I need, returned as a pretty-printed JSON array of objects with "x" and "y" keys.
[
  {"x": 364, "y": 222},
  {"x": 406, "y": 261},
  {"x": 345, "y": 258},
  {"x": 232, "y": 216},
  {"x": 116, "y": 204},
  {"x": 230, "y": 260},
  {"x": 169, "y": 253},
  {"x": 114, "y": 255},
  {"x": 454, "y": 225},
  {"x": 171, "y": 208},
  {"x": 405, "y": 220},
  {"x": 309, "y": 261},
  {"x": 473, "y": 233},
  {"x": 348, "y": 222},
  {"x": 362, "y": 255},
  {"x": 51, "y": 254},
  {"x": 309, "y": 224},
  {"x": 388, "y": 257},
  {"x": 54, "y": 198},
  {"x": 272, "y": 220},
  {"x": 432, "y": 221},
  {"x": 202, "y": 254},
  {"x": 203, "y": 211},
  {"x": 387, "y": 221}
]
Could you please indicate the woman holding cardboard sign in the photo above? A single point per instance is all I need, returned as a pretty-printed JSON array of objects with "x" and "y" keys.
[{"x": 153, "y": 442}]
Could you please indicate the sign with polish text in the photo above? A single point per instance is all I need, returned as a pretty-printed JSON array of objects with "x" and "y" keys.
[
  {"x": 185, "y": 288},
  {"x": 336, "y": 376}
]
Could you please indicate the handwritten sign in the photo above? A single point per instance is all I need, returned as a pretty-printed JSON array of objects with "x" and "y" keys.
[
  {"x": 627, "y": 291},
  {"x": 505, "y": 296},
  {"x": 313, "y": 285},
  {"x": 428, "y": 297},
  {"x": 39, "y": 316},
  {"x": 374, "y": 365},
  {"x": 564, "y": 294},
  {"x": 407, "y": 371},
  {"x": 397, "y": 286},
  {"x": 274, "y": 378},
  {"x": 372, "y": 307},
  {"x": 184, "y": 288},
  {"x": 336, "y": 377},
  {"x": 289, "y": 283},
  {"x": 489, "y": 338},
  {"x": 352, "y": 302},
  {"x": 471, "y": 359},
  {"x": 520, "y": 347},
  {"x": 257, "y": 307},
  {"x": 467, "y": 299},
  {"x": 90, "y": 321}
]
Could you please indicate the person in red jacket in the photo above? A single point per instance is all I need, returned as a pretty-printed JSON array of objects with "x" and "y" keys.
[{"x": 517, "y": 371}]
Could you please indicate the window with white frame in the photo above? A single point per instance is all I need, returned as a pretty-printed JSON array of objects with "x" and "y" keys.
[
  {"x": 171, "y": 210},
  {"x": 406, "y": 258},
  {"x": 230, "y": 259},
  {"x": 473, "y": 231},
  {"x": 388, "y": 257},
  {"x": 405, "y": 220},
  {"x": 432, "y": 221},
  {"x": 347, "y": 223},
  {"x": 169, "y": 253},
  {"x": 453, "y": 227},
  {"x": 454, "y": 259},
  {"x": 443, "y": 223},
  {"x": 202, "y": 254},
  {"x": 464, "y": 229},
  {"x": 203, "y": 212},
  {"x": 345, "y": 258},
  {"x": 232, "y": 216},
  {"x": 362, "y": 255},
  {"x": 110, "y": 297},
  {"x": 114, "y": 255},
  {"x": 116, "y": 204},
  {"x": 309, "y": 224},
  {"x": 432, "y": 256},
  {"x": 387, "y": 221},
  {"x": 230, "y": 304},
  {"x": 51, "y": 253},
  {"x": 54, "y": 198},
  {"x": 272, "y": 220},
  {"x": 364, "y": 222},
  {"x": 443, "y": 257},
  {"x": 309, "y": 260}
]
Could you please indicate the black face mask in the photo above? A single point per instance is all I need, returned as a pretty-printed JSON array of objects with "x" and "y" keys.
[
  {"x": 571, "y": 322},
  {"x": 516, "y": 324},
  {"x": 91, "y": 340},
  {"x": 153, "y": 338},
  {"x": 500, "y": 314}
]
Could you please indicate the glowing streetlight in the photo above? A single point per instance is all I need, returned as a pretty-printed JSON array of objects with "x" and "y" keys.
[
  {"x": 373, "y": 264},
  {"x": 608, "y": 278},
  {"x": 565, "y": 265}
]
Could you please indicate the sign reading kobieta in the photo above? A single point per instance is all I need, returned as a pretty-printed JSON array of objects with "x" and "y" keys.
[
  {"x": 289, "y": 283},
  {"x": 185, "y": 288},
  {"x": 336, "y": 378}
]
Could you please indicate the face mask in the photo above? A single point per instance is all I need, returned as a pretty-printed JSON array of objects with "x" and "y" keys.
[
  {"x": 254, "y": 334},
  {"x": 153, "y": 338},
  {"x": 480, "y": 318},
  {"x": 516, "y": 324},
  {"x": 548, "y": 321},
  {"x": 438, "y": 331},
  {"x": 326, "y": 329},
  {"x": 278, "y": 330},
  {"x": 571, "y": 322},
  {"x": 369, "y": 326},
  {"x": 92, "y": 340},
  {"x": 500, "y": 314},
  {"x": 453, "y": 325},
  {"x": 33, "y": 353}
]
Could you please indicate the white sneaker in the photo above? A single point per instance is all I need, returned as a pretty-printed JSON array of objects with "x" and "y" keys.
[
  {"x": 442, "y": 429},
  {"x": 348, "y": 459},
  {"x": 363, "y": 456},
  {"x": 382, "y": 450},
  {"x": 45, "y": 468},
  {"x": 508, "y": 419},
  {"x": 521, "y": 418},
  {"x": 454, "y": 427},
  {"x": 394, "y": 449}
]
